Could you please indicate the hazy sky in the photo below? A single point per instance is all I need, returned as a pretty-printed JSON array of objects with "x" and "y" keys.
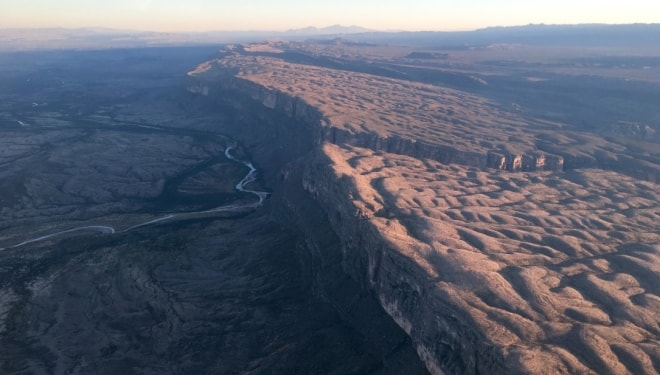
[{"x": 199, "y": 15}]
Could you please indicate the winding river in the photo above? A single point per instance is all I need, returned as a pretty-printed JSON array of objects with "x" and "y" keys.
[{"x": 106, "y": 229}]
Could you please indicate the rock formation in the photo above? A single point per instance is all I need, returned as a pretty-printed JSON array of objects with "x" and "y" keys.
[
  {"x": 548, "y": 267},
  {"x": 299, "y": 109}
]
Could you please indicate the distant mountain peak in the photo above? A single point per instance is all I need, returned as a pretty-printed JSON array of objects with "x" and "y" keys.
[{"x": 333, "y": 29}]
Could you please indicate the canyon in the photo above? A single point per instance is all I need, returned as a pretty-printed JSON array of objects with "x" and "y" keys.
[
  {"x": 332, "y": 206},
  {"x": 499, "y": 239},
  {"x": 142, "y": 231}
]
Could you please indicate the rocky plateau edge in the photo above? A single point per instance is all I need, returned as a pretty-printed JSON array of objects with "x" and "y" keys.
[
  {"x": 444, "y": 338},
  {"x": 444, "y": 341},
  {"x": 298, "y": 109}
]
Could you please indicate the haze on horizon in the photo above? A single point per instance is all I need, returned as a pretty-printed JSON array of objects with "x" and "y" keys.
[{"x": 279, "y": 15}]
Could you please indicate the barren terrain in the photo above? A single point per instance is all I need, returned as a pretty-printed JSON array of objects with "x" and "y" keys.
[
  {"x": 514, "y": 202},
  {"x": 560, "y": 271},
  {"x": 333, "y": 206}
]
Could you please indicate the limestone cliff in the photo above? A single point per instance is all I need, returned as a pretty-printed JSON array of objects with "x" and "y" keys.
[
  {"x": 326, "y": 131},
  {"x": 443, "y": 335},
  {"x": 423, "y": 120},
  {"x": 485, "y": 271}
]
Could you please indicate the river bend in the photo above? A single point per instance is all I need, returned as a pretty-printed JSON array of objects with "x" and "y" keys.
[{"x": 106, "y": 229}]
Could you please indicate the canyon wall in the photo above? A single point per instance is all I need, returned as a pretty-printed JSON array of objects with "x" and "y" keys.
[
  {"x": 444, "y": 338},
  {"x": 279, "y": 144},
  {"x": 546, "y": 157},
  {"x": 298, "y": 109},
  {"x": 344, "y": 238}
]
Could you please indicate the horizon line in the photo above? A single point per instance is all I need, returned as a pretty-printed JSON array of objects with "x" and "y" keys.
[{"x": 317, "y": 28}]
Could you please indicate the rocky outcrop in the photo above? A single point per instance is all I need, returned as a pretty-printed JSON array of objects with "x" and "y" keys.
[{"x": 525, "y": 162}]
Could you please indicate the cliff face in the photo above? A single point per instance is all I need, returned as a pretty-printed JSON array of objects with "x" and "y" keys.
[
  {"x": 445, "y": 340},
  {"x": 298, "y": 109},
  {"x": 319, "y": 251},
  {"x": 483, "y": 274},
  {"x": 571, "y": 152},
  {"x": 546, "y": 158}
]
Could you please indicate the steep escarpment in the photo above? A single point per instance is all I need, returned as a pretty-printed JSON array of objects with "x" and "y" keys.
[
  {"x": 340, "y": 262},
  {"x": 574, "y": 151},
  {"x": 377, "y": 131},
  {"x": 422, "y": 120},
  {"x": 486, "y": 272},
  {"x": 500, "y": 273},
  {"x": 281, "y": 147},
  {"x": 442, "y": 333}
]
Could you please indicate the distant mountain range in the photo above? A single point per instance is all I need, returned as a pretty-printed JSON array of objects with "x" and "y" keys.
[
  {"x": 582, "y": 35},
  {"x": 586, "y": 35},
  {"x": 330, "y": 30}
]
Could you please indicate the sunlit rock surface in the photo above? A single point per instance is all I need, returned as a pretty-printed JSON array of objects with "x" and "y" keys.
[{"x": 500, "y": 243}]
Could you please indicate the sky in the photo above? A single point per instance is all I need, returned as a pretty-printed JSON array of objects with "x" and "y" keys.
[{"x": 280, "y": 15}]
